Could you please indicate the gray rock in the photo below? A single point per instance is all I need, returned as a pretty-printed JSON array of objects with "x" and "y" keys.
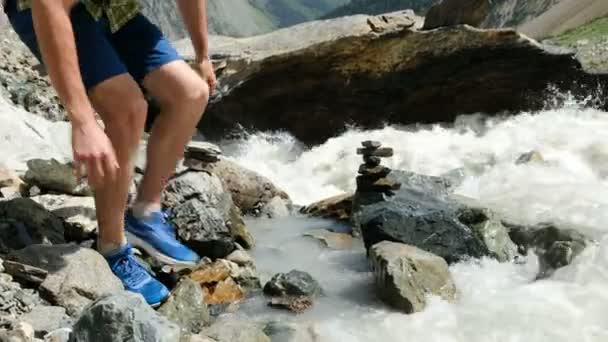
[
  {"x": 124, "y": 316},
  {"x": 15, "y": 301},
  {"x": 275, "y": 208},
  {"x": 203, "y": 151},
  {"x": 187, "y": 307},
  {"x": 60, "y": 335},
  {"x": 24, "y": 222},
  {"x": 376, "y": 152},
  {"x": 420, "y": 214},
  {"x": 457, "y": 12},
  {"x": 228, "y": 330},
  {"x": 250, "y": 190},
  {"x": 294, "y": 283},
  {"x": 51, "y": 175},
  {"x": 240, "y": 258},
  {"x": 556, "y": 247},
  {"x": 25, "y": 273},
  {"x": 46, "y": 319},
  {"x": 78, "y": 213},
  {"x": 76, "y": 276},
  {"x": 204, "y": 214},
  {"x": 406, "y": 275},
  {"x": 489, "y": 228}
]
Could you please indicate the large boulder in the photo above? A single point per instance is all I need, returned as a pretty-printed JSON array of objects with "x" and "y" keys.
[
  {"x": 424, "y": 214},
  {"x": 124, "y": 316},
  {"x": 457, "y": 12},
  {"x": 319, "y": 78},
  {"x": 76, "y": 276},
  {"x": 251, "y": 192},
  {"x": 205, "y": 215},
  {"x": 24, "y": 222},
  {"x": 405, "y": 276}
]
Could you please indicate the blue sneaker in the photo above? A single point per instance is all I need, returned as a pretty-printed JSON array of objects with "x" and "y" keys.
[
  {"x": 135, "y": 278},
  {"x": 157, "y": 238}
]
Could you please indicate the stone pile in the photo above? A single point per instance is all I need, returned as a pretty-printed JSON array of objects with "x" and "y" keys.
[{"x": 372, "y": 179}]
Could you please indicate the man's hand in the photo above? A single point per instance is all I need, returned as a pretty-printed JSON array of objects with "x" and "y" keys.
[
  {"x": 205, "y": 70},
  {"x": 93, "y": 150}
]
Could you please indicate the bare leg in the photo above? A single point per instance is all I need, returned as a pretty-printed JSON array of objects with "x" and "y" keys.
[
  {"x": 183, "y": 96},
  {"x": 122, "y": 107}
]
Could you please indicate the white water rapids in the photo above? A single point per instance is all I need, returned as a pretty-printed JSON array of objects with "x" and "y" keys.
[{"x": 498, "y": 301}]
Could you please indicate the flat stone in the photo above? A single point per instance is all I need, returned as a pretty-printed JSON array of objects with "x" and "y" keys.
[
  {"x": 76, "y": 277},
  {"x": 406, "y": 275},
  {"x": 51, "y": 175},
  {"x": 337, "y": 207},
  {"x": 366, "y": 184},
  {"x": 380, "y": 152},
  {"x": 337, "y": 241},
  {"x": 124, "y": 316},
  {"x": 240, "y": 258},
  {"x": 378, "y": 171},
  {"x": 187, "y": 307},
  {"x": 45, "y": 319},
  {"x": 25, "y": 273},
  {"x": 371, "y": 144},
  {"x": 203, "y": 151},
  {"x": 371, "y": 161}
]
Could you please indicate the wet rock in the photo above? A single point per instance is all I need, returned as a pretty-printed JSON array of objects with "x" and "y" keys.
[
  {"x": 529, "y": 157},
  {"x": 124, "y": 316},
  {"x": 295, "y": 283},
  {"x": 46, "y": 319},
  {"x": 187, "y": 307},
  {"x": 203, "y": 151},
  {"x": 376, "y": 152},
  {"x": 297, "y": 304},
  {"x": 204, "y": 215},
  {"x": 25, "y": 273},
  {"x": 378, "y": 171},
  {"x": 457, "y": 12},
  {"x": 371, "y": 161},
  {"x": 275, "y": 208},
  {"x": 250, "y": 190},
  {"x": 228, "y": 330},
  {"x": 240, "y": 258},
  {"x": 406, "y": 275},
  {"x": 22, "y": 332},
  {"x": 24, "y": 222},
  {"x": 289, "y": 332},
  {"x": 489, "y": 228},
  {"x": 78, "y": 213},
  {"x": 420, "y": 214},
  {"x": 555, "y": 247},
  {"x": 337, "y": 207},
  {"x": 51, "y": 175},
  {"x": 76, "y": 275},
  {"x": 338, "y": 241}
]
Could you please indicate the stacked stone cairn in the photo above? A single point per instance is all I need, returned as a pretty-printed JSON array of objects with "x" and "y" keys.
[{"x": 373, "y": 182}]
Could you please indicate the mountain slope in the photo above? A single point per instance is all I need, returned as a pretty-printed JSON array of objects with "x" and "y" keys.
[
  {"x": 380, "y": 6},
  {"x": 239, "y": 18}
]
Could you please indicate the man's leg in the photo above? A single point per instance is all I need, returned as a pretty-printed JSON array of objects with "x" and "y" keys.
[
  {"x": 183, "y": 96},
  {"x": 123, "y": 109}
]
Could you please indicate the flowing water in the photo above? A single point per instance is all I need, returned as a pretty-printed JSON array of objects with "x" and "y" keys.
[{"x": 498, "y": 301}]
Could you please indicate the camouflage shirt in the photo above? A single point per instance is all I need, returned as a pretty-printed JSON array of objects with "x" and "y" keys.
[{"x": 119, "y": 12}]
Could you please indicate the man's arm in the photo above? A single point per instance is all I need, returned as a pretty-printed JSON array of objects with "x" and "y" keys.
[
  {"x": 194, "y": 13},
  {"x": 55, "y": 36}
]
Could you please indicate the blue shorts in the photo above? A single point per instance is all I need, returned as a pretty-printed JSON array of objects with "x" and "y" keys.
[{"x": 138, "y": 48}]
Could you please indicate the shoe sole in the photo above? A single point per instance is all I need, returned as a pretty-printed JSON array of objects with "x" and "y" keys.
[{"x": 156, "y": 254}]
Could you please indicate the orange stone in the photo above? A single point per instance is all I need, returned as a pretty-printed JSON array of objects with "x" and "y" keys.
[
  {"x": 210, "y": 273},
  {"x": 226, "y": 291}
]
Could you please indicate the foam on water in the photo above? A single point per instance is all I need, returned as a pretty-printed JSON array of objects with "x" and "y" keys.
[{"x": 498, "y": 301}]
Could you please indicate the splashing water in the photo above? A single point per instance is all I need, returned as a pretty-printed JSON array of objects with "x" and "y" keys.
[{"x": 498, "y": 301}]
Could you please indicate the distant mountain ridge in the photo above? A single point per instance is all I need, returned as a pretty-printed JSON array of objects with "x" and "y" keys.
[{"x": 239, "y": 18}]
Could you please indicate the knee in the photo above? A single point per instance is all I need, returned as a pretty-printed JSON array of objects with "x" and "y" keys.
[
  {"x": 130, "y": 118},
  {"x": 195, "y": 97}
]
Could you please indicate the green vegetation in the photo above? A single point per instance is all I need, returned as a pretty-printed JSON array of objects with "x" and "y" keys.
[{"x": 594, "y": 31}]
